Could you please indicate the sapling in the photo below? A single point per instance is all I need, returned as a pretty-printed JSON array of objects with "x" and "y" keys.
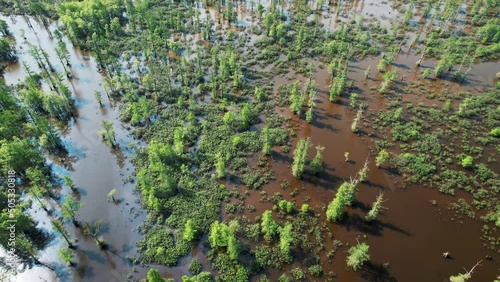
[{"x": 377, "y": 205}]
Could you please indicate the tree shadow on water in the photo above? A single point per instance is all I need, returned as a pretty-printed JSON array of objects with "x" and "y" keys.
[
  {"x": 357, "y": 223},
  {"x": 377, "y": 273}
]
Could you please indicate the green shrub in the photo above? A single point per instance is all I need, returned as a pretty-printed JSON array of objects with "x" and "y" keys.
[
  {"x": 286, "y": 206},
  {"x": 467, "y": 161},
  {"x": 495, "y": 132}
]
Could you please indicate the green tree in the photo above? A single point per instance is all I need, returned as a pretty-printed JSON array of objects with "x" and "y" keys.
[
  {"x": 300, "y": 157},
  {"x": 154, "y": 276},
  {"x": 495, "y": 132},
  {"x": 4, "y": 28},
  {"x": 246, "y": 117},
  {"x": 362, "y": 173},
  {"x": 93, "y": 229},
  {"x": 426, "y": 73},
  {"x": 286, "y": 206},
  {"x": 382, "y": 157},
  {"x": 335, "y": 208},
  {"x": 382, "y": 65},
  {"x": 259, "y": 94},
  {"x": 111, "y": 195},
  {"x": 18, "y": 155},
  {"x": 179, "y": 134},
  {"x": 463, "y": 277},
  {"x": 6, "y": 51},
  {"x": 467, "y": 161},
  {"x": 220, "y": 165},
  {"x": 352, "y": 191},
  {"x": 269, "y": 227},
  {"x": 201, "y": 277},
  {"x": 304, "y": 208},
  {"x": 309, "y": 115},
  {"x": 190, "y": 230},
  {"x": 229, "y": 118},
  {"x": 70, "y": 208},
  {"x": 267, "y": 140},
  {"x": 316, "y": 163},
  {"x": 297, "y": 99},
  {"x": 66, "y": 255},
  {"x": 59, "y": 227},
  {"x": 233, "y": 247},
  {"x": 358, "y": 255},
  {"x": 377, "y": 205},
  {"x": 108, "y": 133},
  {"x": 286, "y": 238}
]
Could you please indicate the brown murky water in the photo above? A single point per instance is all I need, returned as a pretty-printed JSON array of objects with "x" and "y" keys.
[{"x": 410, "y": 235}]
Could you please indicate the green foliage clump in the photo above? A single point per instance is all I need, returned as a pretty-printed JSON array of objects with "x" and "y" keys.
[
  {"x": 269, "y": 227},
  {"x": 286, "y": 206},
  {"x": 495, "y": 132},
  {"x": 316, "y": 163},
  {"x": 190, "y": 230},
  {"x": 158, "y": 246},
  {"x": 304, "y": 208},
  {"x": 336, "y": 207},
  {"x": 467, "y": 161},
  {"x": 382, "y": 157},
  {"x": 195, "y": 267},
  {"x": 286, "y": 238},
  {"x": 300, "y": 157},
  {"x": 223, "y": 235},
  {"x": 490, "y": 32},
  {"x": 201, "y": 277},
  {"x": 358, "y": 255},
  {"x": 154, "y": 276},
  {"x": 372, "y": 214}
]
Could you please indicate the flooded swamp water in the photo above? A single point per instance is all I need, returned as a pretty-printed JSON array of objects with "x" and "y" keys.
[
  {"x": 406, "y": 242},
  {"x": 94, "y": 167}
]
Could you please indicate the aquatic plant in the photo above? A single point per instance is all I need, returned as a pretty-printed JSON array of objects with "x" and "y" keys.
[{"x": 358, "y": 255}]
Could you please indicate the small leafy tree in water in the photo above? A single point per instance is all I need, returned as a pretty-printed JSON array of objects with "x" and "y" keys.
[
  {"x": 382, "y": 157},
  {"x": 69, "y": 182},
  {"x": 300, "y": 157},
  {"x": 352, "y": 191},
  {"x": 154, "y": 276},
  {"x": 336, "y": 207},
  {"x": 362, "y": 174},
  {"x": 358, "y": 255},
  {"x": 377, "y": 205},
  {"x": 190, "y": 230},
  {"x": 108, "y": 133},
  {"x": 267, "y": 140},
  {"x": 220, "y": 166},
  {"x": 111, "y": 195},
  {"x": 70, "y": 208},
  {"x": 229, "y": 118},
  {"x": 246, "y": 117},
  {"x": 93, "y": 230},
  {"x": 463, "y": 277},
  {"x": 426, "y": 73},
  {"x": 286, "y": 238},
  {"x": 354, "y": 125},
  {"x": 368, "y": 71},
  {"x": 286, "y": 206},
  {"x": 316, "y": 163},
  {"x": 346, "y": 156},
  {"x": 66, "y": 255},
  {"x": 467, "y": 161},
  {"x": 269, "y": 227},
  {"x": 224, "y": 235},
  {"x": 59, "y": 227}
]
